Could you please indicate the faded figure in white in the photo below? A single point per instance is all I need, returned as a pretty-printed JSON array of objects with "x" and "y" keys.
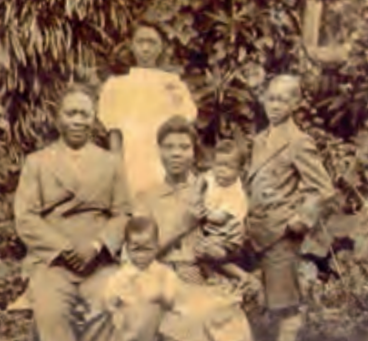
[{"x": 135, "y": 105}]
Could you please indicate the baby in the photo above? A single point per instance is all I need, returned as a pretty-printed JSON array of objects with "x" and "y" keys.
[{"x": 225, "y": 204}]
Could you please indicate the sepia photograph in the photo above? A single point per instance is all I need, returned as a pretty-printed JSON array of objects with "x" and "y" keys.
[{"x": 183, "y": 170}]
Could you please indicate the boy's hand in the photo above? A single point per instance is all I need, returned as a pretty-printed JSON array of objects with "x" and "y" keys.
[
  {"x": 251, "y": 288},
  {"x": 297, "y": 229}
]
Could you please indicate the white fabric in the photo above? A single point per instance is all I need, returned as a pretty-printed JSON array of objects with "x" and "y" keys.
[
  {"x": 231, "y": 199},
  {"x": 132, "y": 285},
  {"x": 194, "y": 309},
  {"x": 138, "y": 104}
]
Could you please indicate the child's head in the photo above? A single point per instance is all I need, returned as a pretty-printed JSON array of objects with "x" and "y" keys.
[
  {"x": 141, "y": 236},
  {"x": 281, "y": 98},
  {"x": 229, "y": 161}
]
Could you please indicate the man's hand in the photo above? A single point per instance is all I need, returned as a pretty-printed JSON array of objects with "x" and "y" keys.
[
  {"x": 81, "y": 255},
  {"x": 72, "y": 258}
]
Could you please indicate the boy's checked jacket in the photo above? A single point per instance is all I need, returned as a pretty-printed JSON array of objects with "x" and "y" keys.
[{"x": 287, "y": 183}]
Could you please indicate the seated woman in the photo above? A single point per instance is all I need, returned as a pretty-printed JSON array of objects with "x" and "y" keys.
[{"x": 198, "y": 310}]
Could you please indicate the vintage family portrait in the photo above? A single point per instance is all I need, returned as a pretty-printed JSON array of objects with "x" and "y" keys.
[{"x": 183, "y": 170}]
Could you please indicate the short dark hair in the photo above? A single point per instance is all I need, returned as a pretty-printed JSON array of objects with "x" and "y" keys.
[
  {"x": 148, "y": 23},
  {"x": 79, "y": 88},
  {"x": 292, "y": 80},
  {"x": 229, "y": 147},
  {"x": 140, "y": 224},
  {"x": 176, "y": 125}
]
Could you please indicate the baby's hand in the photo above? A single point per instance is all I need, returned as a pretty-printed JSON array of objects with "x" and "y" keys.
[
  {"x": 218, "y": 217},
  {"x": 205, "y": 249}
]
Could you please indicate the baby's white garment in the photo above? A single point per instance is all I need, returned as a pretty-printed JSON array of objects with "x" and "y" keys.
[{"x": 231, "y": 199}]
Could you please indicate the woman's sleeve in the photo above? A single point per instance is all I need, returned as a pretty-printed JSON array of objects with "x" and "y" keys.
[
  {"x": 109, "y": 109},
  {"x": 182, "y": 100}
]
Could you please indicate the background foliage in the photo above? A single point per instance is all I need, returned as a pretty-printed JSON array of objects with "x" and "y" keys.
[{"x": 226, "y": 50}]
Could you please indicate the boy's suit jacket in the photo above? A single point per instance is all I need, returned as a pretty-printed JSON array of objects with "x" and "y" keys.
[
  {"x": 59, "y": 203},
  {"x": 287, "y": 183}
]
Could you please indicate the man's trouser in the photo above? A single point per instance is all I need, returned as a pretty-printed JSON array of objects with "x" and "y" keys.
[{"x": 54, "y": 294}]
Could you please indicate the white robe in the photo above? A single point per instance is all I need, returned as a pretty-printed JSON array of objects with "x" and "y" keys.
[{"x": 137, "y": 104}]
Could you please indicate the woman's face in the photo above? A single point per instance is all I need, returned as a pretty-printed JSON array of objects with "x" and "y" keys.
[
  {"x": 76, "y": 118},
  {"x": 177, "y": 153},
  {"x": 147, "y": 46}
]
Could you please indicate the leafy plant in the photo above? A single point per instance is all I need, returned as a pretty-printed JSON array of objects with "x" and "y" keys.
[{"x": 226, "y": 50}]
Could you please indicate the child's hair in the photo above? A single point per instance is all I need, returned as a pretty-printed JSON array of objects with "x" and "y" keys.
[
  {"x": 293, "y": 81},
  {"x": 140, "y": 224},
  {"x": 230, "y": 147},
  {"x": 150, "y": 24},
  {"x": 176, "y": 125}
]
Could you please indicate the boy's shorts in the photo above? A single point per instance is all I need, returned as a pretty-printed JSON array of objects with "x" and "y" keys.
[{"x": 280, "y": 276}]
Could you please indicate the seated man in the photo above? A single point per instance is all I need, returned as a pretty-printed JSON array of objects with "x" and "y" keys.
[{"x": 70, "y": 206}]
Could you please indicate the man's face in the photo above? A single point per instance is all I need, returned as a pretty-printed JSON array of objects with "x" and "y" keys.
[
  {"x": 177, "y": 153},
  {"x": 142, "y": 247},
  {"x": 226, "y": 169},
  {"x": 279, "y": 102},
  {"x": 146, "y": 46},
  {"x": 76, "y": 118}
]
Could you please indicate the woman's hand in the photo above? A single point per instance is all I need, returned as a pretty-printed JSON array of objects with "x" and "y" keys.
[{"x": 207, "y": 249}]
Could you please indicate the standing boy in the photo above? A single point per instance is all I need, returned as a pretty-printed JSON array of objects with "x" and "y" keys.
[{"x": 287, "y": 186}]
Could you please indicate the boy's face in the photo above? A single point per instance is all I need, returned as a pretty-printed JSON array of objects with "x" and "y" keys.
[
  {"x": 146, "y": 46},
  {"x": 226, "y": 168},
  {"x": 76, "y": 118},
  {"x": 279, "y": 102},
  {"x": 142, "y": 247},
  {"x": 177, "y": 153}
]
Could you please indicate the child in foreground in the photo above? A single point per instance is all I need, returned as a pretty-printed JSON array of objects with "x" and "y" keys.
[{"x": 137, "y": 296}]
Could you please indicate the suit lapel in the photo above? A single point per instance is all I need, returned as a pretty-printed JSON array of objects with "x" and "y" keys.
[
  {"x": 61, "y": 169},
  {"x": 81, "y": 182},
  {"x": 263, "y": 153}
]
